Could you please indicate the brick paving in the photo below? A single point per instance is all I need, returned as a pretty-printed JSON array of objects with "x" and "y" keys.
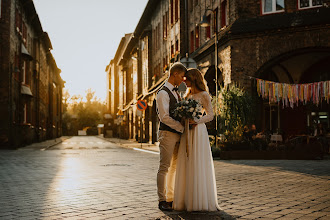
[{"x": 90, "y": 178}]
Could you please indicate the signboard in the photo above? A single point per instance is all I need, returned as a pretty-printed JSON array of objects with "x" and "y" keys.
[
  {"x": 139, "y": 113},
  {"x": 188, "y": 62},
  {"x": 141, "y": 105}
]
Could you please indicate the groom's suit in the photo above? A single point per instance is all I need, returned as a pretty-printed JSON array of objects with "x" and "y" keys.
[{"x": 170, "y": 130}]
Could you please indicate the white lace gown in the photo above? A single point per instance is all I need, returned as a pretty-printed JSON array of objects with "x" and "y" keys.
[{"x": 195, "y": 185}]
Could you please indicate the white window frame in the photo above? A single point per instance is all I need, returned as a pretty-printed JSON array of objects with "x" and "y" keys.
[
  {"x": 273, "y": 7},
  {"x": 310, "y": 5}
]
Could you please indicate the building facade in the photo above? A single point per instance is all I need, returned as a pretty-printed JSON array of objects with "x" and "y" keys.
[
  {"x": 31, "y": 85},
  {"x": 278, "y": 40}
]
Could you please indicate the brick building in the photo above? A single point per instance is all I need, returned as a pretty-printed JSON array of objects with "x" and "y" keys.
[
  {"x": 278, "y": 40},
  {"x": 31, "y": 86},
  {"x": 282, "y": 41}
]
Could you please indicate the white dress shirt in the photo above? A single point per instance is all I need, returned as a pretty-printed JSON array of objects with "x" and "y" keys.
[{"x": 163, "y": 105}]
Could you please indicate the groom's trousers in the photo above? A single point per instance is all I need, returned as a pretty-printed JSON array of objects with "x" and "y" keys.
[{"x": 168, "y": 146}]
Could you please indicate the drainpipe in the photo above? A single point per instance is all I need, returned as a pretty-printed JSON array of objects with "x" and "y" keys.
[
  {"x": 186, "y": 27},
  {"x": 37, "y": 95},
  {"x": 10, "y": 107}
]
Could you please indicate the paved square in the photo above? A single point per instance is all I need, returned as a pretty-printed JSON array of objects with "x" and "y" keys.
[{"x": 89, "y": 178}]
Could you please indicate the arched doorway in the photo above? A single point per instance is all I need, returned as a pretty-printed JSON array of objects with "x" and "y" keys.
[{"x": 300, "y": 66}]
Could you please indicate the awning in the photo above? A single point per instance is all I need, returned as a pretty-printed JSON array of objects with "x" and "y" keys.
[
  {"x": 25, "y": 90},
  {"x": 25, "y": 52}
]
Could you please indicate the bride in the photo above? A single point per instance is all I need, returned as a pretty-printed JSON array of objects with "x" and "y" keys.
[{"x": 195, "y": 186}]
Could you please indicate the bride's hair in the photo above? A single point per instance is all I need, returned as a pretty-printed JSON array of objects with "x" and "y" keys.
[{"x": 196, "y": 79}]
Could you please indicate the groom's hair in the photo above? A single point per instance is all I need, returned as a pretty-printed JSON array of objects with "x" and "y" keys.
[{"x": 177, "y": 67}]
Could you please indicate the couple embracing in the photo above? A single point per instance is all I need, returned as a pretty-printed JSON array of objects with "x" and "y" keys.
[{"x": 185, "y": 181}]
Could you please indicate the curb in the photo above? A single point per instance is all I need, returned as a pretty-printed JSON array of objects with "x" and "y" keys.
[{"x": 123, "y": 145}]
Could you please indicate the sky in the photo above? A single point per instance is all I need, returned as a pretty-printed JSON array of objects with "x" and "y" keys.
[{"x": 85, "y": 35}]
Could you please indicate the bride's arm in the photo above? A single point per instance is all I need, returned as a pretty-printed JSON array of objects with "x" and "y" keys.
[{"x": 207, "y": 104}]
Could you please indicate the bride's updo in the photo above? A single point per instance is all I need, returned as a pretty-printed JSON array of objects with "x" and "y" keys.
[{"x": 196, "y": 79}]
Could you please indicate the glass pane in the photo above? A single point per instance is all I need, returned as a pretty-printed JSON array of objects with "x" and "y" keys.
[
  {"x": 304, "y": 3},
  {"x": 268, "y": 5},
  {"x": 317, "y": 2},
  {"x": 279, "y": 5}
]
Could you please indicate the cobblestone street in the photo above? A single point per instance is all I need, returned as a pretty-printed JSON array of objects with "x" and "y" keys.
[{"x": 91, "y": 178}]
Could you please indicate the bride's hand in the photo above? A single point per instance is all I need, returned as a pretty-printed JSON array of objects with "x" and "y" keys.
[{"x": 192, "y": 122}]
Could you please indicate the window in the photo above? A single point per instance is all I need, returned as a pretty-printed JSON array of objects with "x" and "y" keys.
[
  {"x": 165, "y": 20},
  {"x": 172, "y": 51},
  {"x": 215, "y": 21},
  {"x": 177, "y": 46},
  {"x": 24, "y": 32},
  {"x": 208, "y": 28},
  {"x": 223, "y": 11},
  {"x": 197, "y": 37},
  {"x": 192, "y": 39},
  {"x": 171, "y": 11},
  {"x": 176, "y": 10},
  {"x": 309, "y": 3},
  {"x": 24, "y": 70},
  {"x": 25, "y": 114},
  {"x": 271, "y": 6},
  {"x": 18, "y": 21}
]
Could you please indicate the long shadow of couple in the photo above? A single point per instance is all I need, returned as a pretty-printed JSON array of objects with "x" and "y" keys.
[{"x": 197, "y": 215}]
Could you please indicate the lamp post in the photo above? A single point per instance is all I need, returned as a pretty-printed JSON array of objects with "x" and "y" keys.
[{"x": 205, "y": 23}]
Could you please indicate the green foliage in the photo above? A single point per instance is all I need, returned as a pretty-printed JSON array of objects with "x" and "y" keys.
[
  {"x": 235, "y": 109},
  {"x": 81, "y": 114}
]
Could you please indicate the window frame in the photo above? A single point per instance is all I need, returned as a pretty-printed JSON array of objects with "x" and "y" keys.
[
  {"x": 192, "y": 41},
  {"x": 223, "y": 14},
  {"x": 176, "y": 10},
  {"x": 24, "y": 71},
  {"x": 310, "y": 5},
  {"x": 208, "y": 28},
  {"x": 273, "y": 6},
  {"x": 197, "y": 37},
  {"x": 25, "y": 114}
]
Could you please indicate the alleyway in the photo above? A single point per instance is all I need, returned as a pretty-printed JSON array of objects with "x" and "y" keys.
[{"x": 91, "y": 178}]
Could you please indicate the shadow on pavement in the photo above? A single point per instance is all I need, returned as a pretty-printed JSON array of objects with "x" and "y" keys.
[
  {"x": 319, "y": 168},
  {"x": 196, "y": 215}
]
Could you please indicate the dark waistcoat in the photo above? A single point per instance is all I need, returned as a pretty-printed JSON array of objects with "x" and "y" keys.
[{"x": 173, "y": 101}]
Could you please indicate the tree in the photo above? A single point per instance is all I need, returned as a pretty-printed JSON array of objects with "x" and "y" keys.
[{"x": 81, "y": 114}]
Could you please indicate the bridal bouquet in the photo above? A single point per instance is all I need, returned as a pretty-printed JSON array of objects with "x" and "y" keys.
[{"x": 188, "y": 109}]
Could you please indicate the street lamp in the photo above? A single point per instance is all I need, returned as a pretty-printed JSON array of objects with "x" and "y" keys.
[{"x": 205, "y": 23}]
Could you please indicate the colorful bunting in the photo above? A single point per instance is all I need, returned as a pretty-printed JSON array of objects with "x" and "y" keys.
[{"x": 292, "y": 94}]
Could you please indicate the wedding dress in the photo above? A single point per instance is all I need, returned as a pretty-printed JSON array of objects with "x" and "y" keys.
[{"x": 195, "y": 185}]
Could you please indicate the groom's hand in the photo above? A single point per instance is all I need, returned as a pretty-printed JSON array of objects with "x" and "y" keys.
[{"x": 182, "y": 121}]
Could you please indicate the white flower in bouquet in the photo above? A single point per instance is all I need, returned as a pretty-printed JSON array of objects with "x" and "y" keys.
[{"x": 188, "y": 109}]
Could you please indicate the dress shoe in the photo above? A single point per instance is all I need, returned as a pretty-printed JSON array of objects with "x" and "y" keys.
[{"x": 164, "y": 206}]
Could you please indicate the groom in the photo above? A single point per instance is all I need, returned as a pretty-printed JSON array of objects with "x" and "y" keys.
[{"x": 170, "y": 130}]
